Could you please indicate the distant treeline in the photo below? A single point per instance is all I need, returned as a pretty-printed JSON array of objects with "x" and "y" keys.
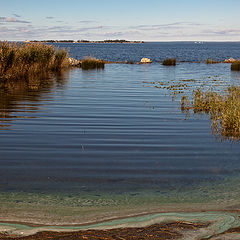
[{"x": 86, "y": 41}]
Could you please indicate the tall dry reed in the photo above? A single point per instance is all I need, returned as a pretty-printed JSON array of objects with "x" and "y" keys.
[
  {"x": 224, "y": 110},
  {"x": 24, "y": 61}
]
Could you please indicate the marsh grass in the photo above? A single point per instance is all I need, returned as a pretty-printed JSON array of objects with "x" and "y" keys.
[
  {"x": 92, "y": 63},
  {"x": 28, "y": 61},
  {"x": 211, "y": 61},
  {"x": 169, "y": 62},
  {"x": 224, "y": 110},
  {"x": 235, "y": 66}
]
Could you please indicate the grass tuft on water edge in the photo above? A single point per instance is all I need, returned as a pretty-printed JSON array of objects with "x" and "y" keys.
[
  {"x": 92, "y": 63},
  {"x": 169, "y": 62}
]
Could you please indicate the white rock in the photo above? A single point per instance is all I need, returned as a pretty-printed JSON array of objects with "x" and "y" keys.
[
  {"x": 74, "y": 62},
  {"x": 230, "y": 60},
  {"x": 146, "y": 60}
]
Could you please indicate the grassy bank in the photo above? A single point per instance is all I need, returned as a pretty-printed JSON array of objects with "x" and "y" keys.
[
  {"x": 26, "y": 61},
  {"x": 224, "y": 110}
]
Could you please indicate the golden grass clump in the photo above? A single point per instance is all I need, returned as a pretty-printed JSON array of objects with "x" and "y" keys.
[
  {"x": 92, "y": 63},
  {"x": 224, "y": 110},
  {"x": 235, "y": 66},
  {"x": 23, "y": 61},
  {"x": 169, "y": 62}
]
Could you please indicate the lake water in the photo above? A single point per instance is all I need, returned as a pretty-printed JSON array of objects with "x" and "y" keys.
[
  {"x": 115, "y": 133},
  {"x": 183, "y": 51}
]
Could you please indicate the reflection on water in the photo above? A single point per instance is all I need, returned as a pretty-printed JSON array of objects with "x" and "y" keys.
[
  {"x": 18, "y": 99},
  {"x": 235, "y": 75}
]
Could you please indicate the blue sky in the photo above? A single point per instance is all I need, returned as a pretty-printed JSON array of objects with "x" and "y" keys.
[{"x": 149, "y": 20}]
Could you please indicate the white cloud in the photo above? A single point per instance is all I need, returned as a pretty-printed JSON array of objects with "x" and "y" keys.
[{"x": 11, "y": 20}]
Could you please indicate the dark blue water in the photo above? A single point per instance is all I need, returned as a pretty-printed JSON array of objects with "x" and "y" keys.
[
  {"x": 183, "y": 51},
  {"x": 113, "y": 130}
]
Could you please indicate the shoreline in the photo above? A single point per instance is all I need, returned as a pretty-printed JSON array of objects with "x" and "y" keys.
[
  {"x": 206, "y": 224},
  {"x": 157, "y": 231}
]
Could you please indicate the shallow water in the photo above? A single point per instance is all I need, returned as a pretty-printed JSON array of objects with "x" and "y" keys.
[
  {"x": 99, "y": 141},
  {"x": 113, "y": 130}
]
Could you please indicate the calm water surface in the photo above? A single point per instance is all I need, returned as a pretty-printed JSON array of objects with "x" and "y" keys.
[
  {"x": 113, "y": 130},
  {"x": 183, "y": 51}
]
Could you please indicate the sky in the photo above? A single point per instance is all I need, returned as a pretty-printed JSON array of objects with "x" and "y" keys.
[{"x": 149, "y": 20}]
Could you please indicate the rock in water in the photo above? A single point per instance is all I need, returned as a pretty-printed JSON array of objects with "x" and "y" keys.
[
  {"x": 230, "y": 60},
  {"x": 74, "y": 62},
  {"x": 146, "y": 60}
]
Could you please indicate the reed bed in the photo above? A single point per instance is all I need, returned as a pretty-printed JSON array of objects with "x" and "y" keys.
[
  {"x": 26, "y": 61},
  {"x": 169, "y": 62},
  {"x": 224, "y": 110},
  {"x": 92, "y": 63},
  {"x": 235, "y": 66}
]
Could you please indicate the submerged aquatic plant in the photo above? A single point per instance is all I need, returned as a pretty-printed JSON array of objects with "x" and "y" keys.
[
  {"x": 169, "y": 62},
  {"x": 92, "y": 63},
  {"x": 235, "y": 66}
]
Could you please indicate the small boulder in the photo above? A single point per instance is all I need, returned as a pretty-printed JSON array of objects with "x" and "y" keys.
[{"x": 146, "y": 60}]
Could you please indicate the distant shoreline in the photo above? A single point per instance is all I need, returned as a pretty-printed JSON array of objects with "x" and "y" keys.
[{"x": 83, "y": 41}]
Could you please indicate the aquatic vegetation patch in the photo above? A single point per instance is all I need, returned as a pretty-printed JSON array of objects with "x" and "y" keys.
[
  {"x": 223, "y": 108},
  {"x": 207, "y": 97},
  {"x": 235, "y": 66},
  {"x": 29, "y": 61},
  {"x": 169, "y": 62},
  {"x": 174, "y": 87},
  {"x": 92, "y": 63}
]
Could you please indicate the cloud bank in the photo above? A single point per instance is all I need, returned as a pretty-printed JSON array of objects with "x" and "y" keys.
[{"x": 15, "y": 28}]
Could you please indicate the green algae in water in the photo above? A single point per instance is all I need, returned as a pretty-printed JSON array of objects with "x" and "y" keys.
[
  {"x": 83, "y": 207},
  {"x": 220, "y": 222}
]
